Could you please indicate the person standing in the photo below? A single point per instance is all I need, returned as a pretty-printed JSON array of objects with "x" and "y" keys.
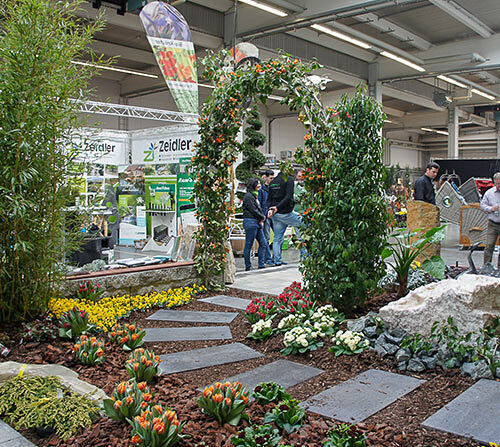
[
  {"x": 281, "y": 205},
  {"x": 491, "y": 204},
  {"x": 263, "y": 195},
  {"x": 253, "y": 223},
  {"x": 424, "y": 186}
]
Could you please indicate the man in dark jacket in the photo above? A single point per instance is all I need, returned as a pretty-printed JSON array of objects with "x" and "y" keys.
[
  {"x": 266, "y": 177},
  {"x": 424, "y": 186},
  {"x": 281, "y": 205}
]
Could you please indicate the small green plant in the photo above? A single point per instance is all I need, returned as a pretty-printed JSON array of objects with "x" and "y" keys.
[
  {"x": 89, "y": 350},
  {"x": 461, "y": 346},
  {"x": 74, "y": 323},
  {"x": 87, "y": 290},
  {"x": 41, "y": 329},
  {"x": 268, "y": 392},
  {"x": 261, "y": 330},
  {"x": 43, "y": 402},
  {"x": 488, "y": 345},
  {"x": 288, "y": 415},
  {"x": 127, "y": 401},
  {"x": 345, "y": 435},
  {"x": 257, "y": 436},
  {"x": 156, "y": 427},
  {"x": 349, "y": 343},
  {"x": 416, "y": 343},
  {"x": 143, "y": 365},
  {"x": 299, "y": 340},
  {"x": 405, "y": 252},
  {"x": 225, "y": 402}
]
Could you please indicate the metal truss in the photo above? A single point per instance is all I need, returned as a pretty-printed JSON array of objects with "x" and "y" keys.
[{"x": 104, "y": 108}]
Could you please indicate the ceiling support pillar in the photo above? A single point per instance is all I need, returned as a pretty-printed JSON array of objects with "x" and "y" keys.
[
  {"x": 374, "y": 85},
  {"x": 453, "y": 131}
]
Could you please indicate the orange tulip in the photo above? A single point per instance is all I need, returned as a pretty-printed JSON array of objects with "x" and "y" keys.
[
  {"x": 135, "y": 337},
  {"x": 136, "y": 439},
  {"x": 142, "y": 385},
  {"x": 121, "y": 388},
  {"x": 129, "y": 400},
  {"x": 147, "y": 397},
  {"x": 117, "y": 404},
  {"x": 228, "y": 401}
]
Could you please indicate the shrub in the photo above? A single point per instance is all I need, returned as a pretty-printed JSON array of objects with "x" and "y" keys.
[
  {"x": 74, "y": 323},
  {"x": 127, "y": 401},
  {"x": 89, "y": 291},
  {"x": 288, "y": 415},
  {"x": 268, "y": 392},
  {"x": 156, "y": 427},
  {"x": 143, "y": 365},
  {"x": 225, "y": 402},
  {"x": 349, "y": 343},
  {"x": 257, "y": 436},
  {"x": 89, "y": 350},
  {"x": 345, "y": 435}
]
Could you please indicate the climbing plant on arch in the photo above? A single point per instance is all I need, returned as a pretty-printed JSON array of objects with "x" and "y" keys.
[{"x": 344, "y": 219}]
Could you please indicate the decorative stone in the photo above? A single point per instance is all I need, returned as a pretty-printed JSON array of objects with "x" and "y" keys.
[
  {"x": 370, "y": 331},
  {"x": 472, "y": 301},
  {"x": 422, "y": 215},
  {"x": 429, "y": 362},
  {"x": 390, "y": 348},
  {"x": 396, "y": 336},
  {"x": 477, "y": 370},
  {"x": 415, "y": 365},
  {"x": 403, "y": 355},
  {"x": 230, "y": 265},
  {"x": 380, "y": 350},
  {"x": 402, "y": 366},
  {"x": 356, "y": 325}
]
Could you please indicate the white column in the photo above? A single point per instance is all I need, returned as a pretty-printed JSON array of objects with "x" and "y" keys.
[
  {"x": 374, "y": 85},
  {"x": 498, "y": 140},
  {"x": 453, "y": 131}
]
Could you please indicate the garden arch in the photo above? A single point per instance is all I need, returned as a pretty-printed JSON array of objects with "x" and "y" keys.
[{"x": 342, "y": 153}]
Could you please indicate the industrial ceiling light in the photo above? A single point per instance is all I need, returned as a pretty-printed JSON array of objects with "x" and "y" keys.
[
  {"x": 427, "y": 129},
  {"x": 480, "y": 93},
  {"x": 402, "y": 60},
  {"x": 265, "y": 7},
  {"x": 452, "y": 81},
  {"x": 341, "y": 36},
  {"x": 121, "y": 70}
]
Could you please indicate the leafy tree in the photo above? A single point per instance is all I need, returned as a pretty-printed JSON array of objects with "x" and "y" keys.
[{"x": 38, "y": 83}]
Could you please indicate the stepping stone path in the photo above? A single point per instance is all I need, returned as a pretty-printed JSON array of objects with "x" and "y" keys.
[
  {"x": 283, "y": 372},
  {"x": 201, "y": 358},
  {"x": 11, "y": 438},
  {"x": 228, "y": 301},
  {"x": 474, "y": 414},
  {"x": 356, "y": 399},
  {"x": 188, "y": 333},
  {"x": 186, "y": 316}
]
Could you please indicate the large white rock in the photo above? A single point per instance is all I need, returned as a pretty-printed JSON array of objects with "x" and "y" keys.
[{"x": 472, "y": 300}]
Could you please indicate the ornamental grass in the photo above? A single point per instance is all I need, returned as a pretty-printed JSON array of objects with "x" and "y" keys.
[{"x": 106, "y": 312}]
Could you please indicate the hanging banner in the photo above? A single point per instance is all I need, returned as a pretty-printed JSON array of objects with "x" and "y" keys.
[
  {"x": 170, "y": 38},
  {"x": 166, "y": 148},
  {"x": 101, "y": 150}
]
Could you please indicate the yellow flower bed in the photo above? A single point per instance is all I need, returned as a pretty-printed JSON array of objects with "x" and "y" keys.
[{"x": 106, "y": 312}]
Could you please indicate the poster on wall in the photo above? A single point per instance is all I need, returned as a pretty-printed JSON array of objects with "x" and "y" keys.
[
  {"x": 163, "y": 149},
  {"x": 170, "y": 38}
]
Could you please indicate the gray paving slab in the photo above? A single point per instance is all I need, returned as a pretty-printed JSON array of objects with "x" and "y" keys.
[
  {"x": 189, "y": 316},
  {"x": 17, "y": 442},
  {"x": 283, "y": 372},
  {"x": 7, "y": 433},
  {"x": 188, "y": 333},
  {"x": 228, "y": 301},
  {"x": 202, "y": 358},
  {"x": 474, "y": 414},
  {"x": 356, "y": 399}
]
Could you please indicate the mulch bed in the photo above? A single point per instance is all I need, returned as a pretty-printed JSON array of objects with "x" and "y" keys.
[{"x": 398, "y": 425}]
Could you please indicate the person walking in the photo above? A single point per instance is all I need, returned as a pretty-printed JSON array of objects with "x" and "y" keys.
[
  {"x": 263, "y": 195},
  {"x": 281, "y": 205},
  {"x": 490, "y": 204},
  {"x": 253, "y": 224},
  {"x": 424, "y": 186}
]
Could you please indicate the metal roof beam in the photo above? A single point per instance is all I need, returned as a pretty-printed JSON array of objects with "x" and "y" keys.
[{"x": 462, "y": 15}]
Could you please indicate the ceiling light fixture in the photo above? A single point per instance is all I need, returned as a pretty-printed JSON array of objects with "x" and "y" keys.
[
  {"x": 427, "y": 129},
  {"x": 341, "y": 36},
  {"x": 265, "y": 7},
  {"x": 121, "y": 70},
  {"x": 402, "y": 60},
  {"x": 275, "y": 97},
  {"x": 452, "y": 81},
  {"x": 480, "y": 93}
]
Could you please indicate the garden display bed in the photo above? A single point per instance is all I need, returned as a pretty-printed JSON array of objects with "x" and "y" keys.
[{"x": 399, "y": 424}]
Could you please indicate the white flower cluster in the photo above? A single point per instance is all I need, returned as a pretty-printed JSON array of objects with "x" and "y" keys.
[
  {"x": 324, "y": 318},
  {"x": 261, "y": 326},
  {"x": 290, "y": 321},
  {"x": 352, "y": 340},
  {"x": 300, "y": 335}
]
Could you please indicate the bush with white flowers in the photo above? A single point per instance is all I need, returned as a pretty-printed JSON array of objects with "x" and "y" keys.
[
  {"x": 349, "y": 342},
  {"x": 301, "y": 339},
  {"x": 261, "y": 330}
]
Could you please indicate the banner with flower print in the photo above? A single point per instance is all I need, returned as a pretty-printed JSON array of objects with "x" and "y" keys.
[{"x": 170, "y": 38}]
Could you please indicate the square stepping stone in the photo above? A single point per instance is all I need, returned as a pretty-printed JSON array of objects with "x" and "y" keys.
[
  {"x": 474, "y": 414},
  {"x": 283, "y": 372},
  {"x": 188, "y": 333},
  {"x": 356, "y": 399},
  {"x": 201, "y": 358},
  {"x": 188, "y": 316},
  {"x": 228, "y": 301},
  {"x": 7, "y": 433}
]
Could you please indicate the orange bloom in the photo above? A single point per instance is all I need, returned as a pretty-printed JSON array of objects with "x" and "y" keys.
[
  {"x": 112, "y": 334},
  {"x": 145, "y": 424},
  {"x": 170, "y": 415},
  {"x": 135, "y": 337},
  {"x": 147, "y": 397},
  {"x": 136, "y": 439},
  {"x": 144, "y": 405},
  {"x": 117, "y": 404},
  {"x": 143, "y": 359},
  {"x": 136, "y": 366},
  {"x": 129, "y": 400},
  {"x": 207, "y": 392},
  {"x": 158, "y": 408},
  {"x": 227, "y": 384},
  {"x": 218, "y": 385},
  {"x": 160, "y": 428},
  {"x": 149, "y": 363},
  {"x": 76, "y": 348},
  {"x": 142, "y": 385},
  {"x": 131, "y": 327},
  {"x": 121, "y": 388},
  {"x": 99, "y": 352},
  {"x": 244, "y": 399},
  {"x": 228, "y": 401},
  {"x": 217, "y": 398}
]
